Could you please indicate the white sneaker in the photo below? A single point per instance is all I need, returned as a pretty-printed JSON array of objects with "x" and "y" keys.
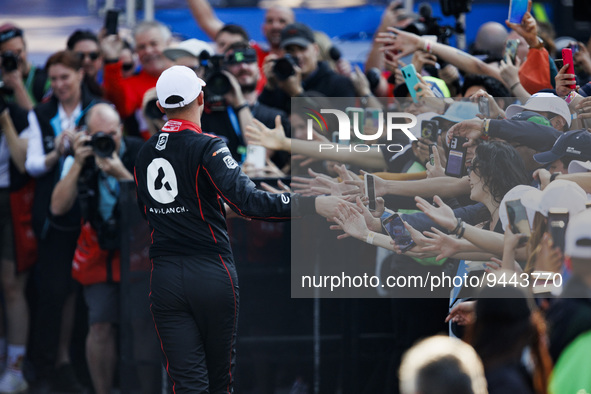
[{"x": 12, "y": 383}]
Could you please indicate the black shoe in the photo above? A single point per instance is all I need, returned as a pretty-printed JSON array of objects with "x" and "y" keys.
[{"x": 64, "y": 380}]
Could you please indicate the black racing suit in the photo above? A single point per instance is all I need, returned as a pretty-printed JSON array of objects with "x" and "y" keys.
[{"x": 183, "y": 176}]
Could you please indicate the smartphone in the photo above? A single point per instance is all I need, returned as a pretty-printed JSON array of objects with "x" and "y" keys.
[
  {"x": 588, "y": 205},
  {"x": 456, "y": 160},
  {"x": 518, "y": 219},
  {"x": 557, "y": 222},
  {"x": 517, "y": 9},
  {"x": 409, "y": 73},
  {"x": 567, "y": 58},
  {"x": 256, "y": 155},
  {"x": 429, "y": 129},
  {"x": 370, "y": 190},
  {"x": 511, "y": 50},
  {"x": 432, "y": 147},
  {"x": 111, "y": 21},
  {"x": 394, "y": 226},
  {"x": 559, "y": 63},
  {"x": 356, "y": 117},
  {"x": 483, "y": 107}
]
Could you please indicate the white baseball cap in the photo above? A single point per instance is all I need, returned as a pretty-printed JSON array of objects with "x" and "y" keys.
[
  {"x": 178, "y": 86},
  {"x": 191, "y": 47},
  {"x": 544, "y": 102},
  {"x": 558, "y": 194},
  {"x": 515, "y": 194},
  {"x": 579, "y": 166},
  {"x": 578, "y": 236}
]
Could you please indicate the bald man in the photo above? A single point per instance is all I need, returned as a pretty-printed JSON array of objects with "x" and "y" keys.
[
  {"x": 102, "y": 158},
  {"x": 490, "y": 40}
]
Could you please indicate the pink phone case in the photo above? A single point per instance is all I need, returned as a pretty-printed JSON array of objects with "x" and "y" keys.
[{"x": 567, "y": 58}]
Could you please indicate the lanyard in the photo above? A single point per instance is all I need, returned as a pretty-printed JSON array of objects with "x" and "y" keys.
[{"x": 234, "y": 121}]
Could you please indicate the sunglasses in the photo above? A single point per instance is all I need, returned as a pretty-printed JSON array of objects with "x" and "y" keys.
[
  {"x": 127, "y": 66},
  {"x": 91, "y": 55}
]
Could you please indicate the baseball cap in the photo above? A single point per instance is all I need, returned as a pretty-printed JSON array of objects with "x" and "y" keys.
[
  {"x": 575, "y": 144},
  {"x": 558, "y": 194},
  {"x": 8, "y": 31},
  {"x": 544, "y": 102},
  {"x": 578, "y": 237},
  {"x": 533, "y": 117},
  {"x": 178, "y": 86},
  {"x": 459, "y": 111},
  {"x": 515, "y": 194},
  {"x": 579, "y": 166},
  {"x": 191, "y": 47},
  {"x": 296, "y": 34}
]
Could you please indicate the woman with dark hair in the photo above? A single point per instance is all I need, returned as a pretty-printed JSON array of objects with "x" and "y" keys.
[
  {"x": 52, "y": 127},
  {"x": 505, "y": 332}
]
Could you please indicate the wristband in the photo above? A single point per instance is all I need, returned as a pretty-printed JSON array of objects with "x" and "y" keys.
[
  {"x": 570, "y": 96},
  {"x": 458, "y": 226},
  {"x": 460, "y": 234},
  {"x": 513, "y": 86},
  {"x": 240, "y": 107},
  {"x": 485, "y": 126},
  {"x": 369, "y": 238}
]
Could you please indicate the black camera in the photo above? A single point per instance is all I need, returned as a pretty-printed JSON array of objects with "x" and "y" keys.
[
  {"x": 284, "y": 67},
  {"x": 152, "y": 111},
  {"x": 429, "y": 129},
  {"x": 10, "y": 61},
  {"x": 217, "y": 84},
  {"x": 429, "y": 25},
  {"x": 102, "y": 144}
]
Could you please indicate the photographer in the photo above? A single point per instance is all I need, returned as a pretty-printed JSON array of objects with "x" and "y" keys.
[
  {"x": 23, "y": 83},
  {"x": 52, "y": 125},
  {"x": 91, "y": 177},
  {"x": 300, "y": 71}
]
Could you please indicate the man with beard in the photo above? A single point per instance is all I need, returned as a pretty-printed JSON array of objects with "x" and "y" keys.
[{"x": 276, "y": 18}]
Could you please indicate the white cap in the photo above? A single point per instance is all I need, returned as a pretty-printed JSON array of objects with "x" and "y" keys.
[
  {"x": 191, "y": 47},
  {"x": 515, "y": 194},
  {"x": 178, "y": 81},
  {"x": 558, "y": 194},
  {"x": 577, "y": 241},
  {"x": 579, "y": 166},
  {"x": 544, "y": 102}
]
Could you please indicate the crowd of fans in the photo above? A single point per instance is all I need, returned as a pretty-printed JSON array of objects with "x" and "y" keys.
[{"x": 71, "y": 131}]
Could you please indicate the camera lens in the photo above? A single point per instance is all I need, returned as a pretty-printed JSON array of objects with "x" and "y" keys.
[
  {"x": 9, "y": 61},
  {"x": 284, "y": 68},
  {"x": 102, "y": 144},
  {"x": 152, "y": 111},
  {"x": 218, "y": 84}
]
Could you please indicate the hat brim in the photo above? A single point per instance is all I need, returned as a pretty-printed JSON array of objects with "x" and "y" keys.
[
  {"x": 579, "y": 166},
  {"x": 176, "y": 53},
  {"x": 299, "y": 41},
  {"x": 546, "y": 157},
  {"x": 513, "y": 109}
]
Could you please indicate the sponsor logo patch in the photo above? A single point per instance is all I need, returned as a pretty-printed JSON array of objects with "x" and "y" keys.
[
  {"x": 221, "y": 150},
  {"x": 162, "y": 140},
  {"x": 230, "y": 162}
]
